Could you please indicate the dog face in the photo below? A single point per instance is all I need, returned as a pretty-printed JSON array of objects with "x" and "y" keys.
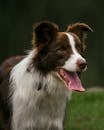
[{"x": 60, "y": 51}]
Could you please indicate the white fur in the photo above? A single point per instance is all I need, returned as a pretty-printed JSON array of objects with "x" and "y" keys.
[
  {"x": 32, "y": 108},
  {"x": 71, "y": 63}
]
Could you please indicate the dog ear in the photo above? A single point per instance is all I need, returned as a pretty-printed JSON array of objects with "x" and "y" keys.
[
  {"x": 80, "y": 29},
  {"x": 44, "y": 32}
]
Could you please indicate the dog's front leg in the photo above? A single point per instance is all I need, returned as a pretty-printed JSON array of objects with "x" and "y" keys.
[
  {"x": 57, "y": 124},
  {"x": 55, "y": 128},
  {"x": 51, "y": 128}
]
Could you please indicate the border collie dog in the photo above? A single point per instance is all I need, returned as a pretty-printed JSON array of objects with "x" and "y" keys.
[{"x": 41, "y": 83}]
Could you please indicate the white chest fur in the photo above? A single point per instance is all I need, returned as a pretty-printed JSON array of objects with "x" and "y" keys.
[{"x": 33, "y": 108}]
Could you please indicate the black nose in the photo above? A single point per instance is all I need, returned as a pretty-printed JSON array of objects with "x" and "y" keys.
[{"x": 82, "y": 64}]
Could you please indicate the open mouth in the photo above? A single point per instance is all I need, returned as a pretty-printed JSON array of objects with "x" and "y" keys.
[{"x": 71, "y": 80}]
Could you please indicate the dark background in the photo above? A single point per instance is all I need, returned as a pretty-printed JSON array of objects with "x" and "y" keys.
[{"x": 18, "y": 16}]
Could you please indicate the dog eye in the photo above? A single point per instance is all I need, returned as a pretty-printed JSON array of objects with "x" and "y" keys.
[
  {"x": 79, "y": 48},
  {"x": 60, "y": 50}
]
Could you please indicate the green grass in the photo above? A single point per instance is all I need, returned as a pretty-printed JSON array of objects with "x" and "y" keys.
[{"x": 85, "y": 111}]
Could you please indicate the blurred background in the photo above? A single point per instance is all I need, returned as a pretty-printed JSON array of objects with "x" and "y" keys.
[{"x": 18, "y": 16}]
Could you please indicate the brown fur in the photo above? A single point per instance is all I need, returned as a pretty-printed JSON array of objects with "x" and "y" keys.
[{"x": 5, "y": 107}]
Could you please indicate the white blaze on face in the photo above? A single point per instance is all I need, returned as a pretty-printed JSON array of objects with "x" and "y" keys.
[{"x": 71, "y": 63}]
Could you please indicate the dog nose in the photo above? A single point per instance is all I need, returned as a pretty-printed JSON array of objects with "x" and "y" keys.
[{"x": 82, "y": 64}]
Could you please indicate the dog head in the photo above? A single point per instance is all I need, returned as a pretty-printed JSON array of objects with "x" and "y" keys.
[{"x": 61, "y": 51}]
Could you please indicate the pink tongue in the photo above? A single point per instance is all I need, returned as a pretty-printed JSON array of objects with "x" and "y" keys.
[{"x": 73, "y": 82}]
